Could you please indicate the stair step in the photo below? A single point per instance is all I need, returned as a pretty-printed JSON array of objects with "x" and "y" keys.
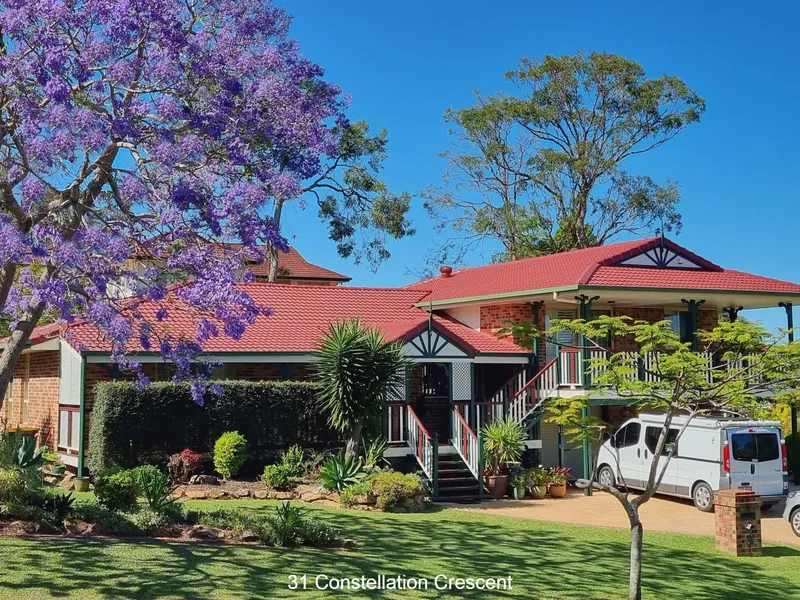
[
  {"x": 459, "y": 488},
  {"x": 461, "y": 499}
]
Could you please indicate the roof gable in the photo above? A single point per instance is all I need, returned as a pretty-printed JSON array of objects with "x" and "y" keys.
[{"x": 660, "y": 253}]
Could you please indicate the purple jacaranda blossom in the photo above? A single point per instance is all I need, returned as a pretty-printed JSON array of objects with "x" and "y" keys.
[{"x": 144, "y": 129}]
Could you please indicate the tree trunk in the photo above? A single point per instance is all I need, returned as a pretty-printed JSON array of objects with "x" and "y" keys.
[
  {"x": 635, "y": 583},
  {"x": 16, "y": 343},
  {"x": 273, "y": 251},
  {"x": 351, "y": 449}
]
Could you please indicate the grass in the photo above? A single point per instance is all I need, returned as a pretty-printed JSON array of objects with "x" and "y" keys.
[{"x": 546, "y": 561}]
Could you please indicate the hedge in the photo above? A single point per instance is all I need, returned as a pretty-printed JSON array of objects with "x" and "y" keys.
[{"x": 131, "y": 427}]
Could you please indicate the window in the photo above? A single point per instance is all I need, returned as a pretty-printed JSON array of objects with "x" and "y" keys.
[
  {"x": 26, "y": 389},
  {"x": 755, "y": 447},
  {"x": 10, "y": 401},
  {"x": 681, "y": 324},
  {"x": 605, "y": 341},
  {"x": 651, "y": 436},
  {"x": 68, "y": 427},
  {"x": 627, "y": 436}
]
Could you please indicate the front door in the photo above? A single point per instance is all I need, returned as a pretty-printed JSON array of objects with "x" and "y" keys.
[
  {"x": 433, "y": 405},
  {"x": 756, "y": 461}
]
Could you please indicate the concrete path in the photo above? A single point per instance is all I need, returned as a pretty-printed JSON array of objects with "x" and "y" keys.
[{"x": 661, "y": 513}]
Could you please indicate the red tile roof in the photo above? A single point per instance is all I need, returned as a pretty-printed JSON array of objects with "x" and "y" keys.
[
  {"x": 300, "y": 316},
  {"x": 291, "y": 265},
  {"x": 594, "y": 267}
]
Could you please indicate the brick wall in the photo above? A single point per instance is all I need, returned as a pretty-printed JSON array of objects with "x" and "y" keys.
[
  {"x": 497, "y": 316},
  {"x": 707, "y": 319},
  {"x": 39, "y": 372},
  {"x": 649, "y": 314},
  {"x": 734, "y": 511}
]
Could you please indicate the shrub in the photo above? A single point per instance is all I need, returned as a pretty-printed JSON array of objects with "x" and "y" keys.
[
  {"x": 340, "y": 471},
  {"x": 392, "y": 487},
  {"x": 147, "y": 521},
  {"x": 116, "y": 522},
  {"x": 314, "y": 532},
  {"x": 350, "y": 495},
  {"x": 132, "y": 427},
  {"x": 293, "y": 461},
  {"x": 12, "y": 485},
  {"x": 116, "y": 490},
  {"x": 183, "y": 465},
  {"x": 287, "y": 524},
  {"x": 230, "y": 452},
  {"x": 154, "y": 486},
  {"x": 275, "y": 477},
  {"x": 373, "y": 454},
  {"x": 59, "y": 505}
]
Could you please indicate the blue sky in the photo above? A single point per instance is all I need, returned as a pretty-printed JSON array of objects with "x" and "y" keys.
[{"x": 404, "y": 63}]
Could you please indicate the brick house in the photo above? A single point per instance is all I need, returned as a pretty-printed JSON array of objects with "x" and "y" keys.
[{"x": 464, "y": 376}]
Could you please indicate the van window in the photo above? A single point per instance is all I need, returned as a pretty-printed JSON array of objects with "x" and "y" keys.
[
  {"x": 749, "y": 447},
  {"x": 627, "y": 436},
  {"x": 651, "y": 436}
]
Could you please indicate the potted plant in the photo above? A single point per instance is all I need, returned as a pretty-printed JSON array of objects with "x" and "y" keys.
[
  {"x": 502, "y": 444},
  {"x": 538, "y": 480},
  {"x": 557, "y": 481},
  {"x": 55, "y": 466},
  {"x": 519, "y": 482}
]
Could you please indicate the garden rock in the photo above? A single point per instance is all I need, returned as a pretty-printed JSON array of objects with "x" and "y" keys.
[
  {"x": 203, "y": 480},
  {"x": 196, "y": 494},
  {"x": 97, "y": 529},
  {"x": 77, "y": 526},
  {"x": 243, "y": 493},
  {"x": 311, "y": 496},
  {"x": 21, "y": 527},
  {"x": 249, "y": 536},
  {"x": 348, "y": 544},
  {"x": 47, "y": 528},
  {"x": 201, "y": 532},
  {"x": 68, "y": 481},
  {"x": 260, "y": 494}
]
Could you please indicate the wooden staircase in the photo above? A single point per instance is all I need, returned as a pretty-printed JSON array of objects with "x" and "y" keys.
[{"x": 456, "y": 482}]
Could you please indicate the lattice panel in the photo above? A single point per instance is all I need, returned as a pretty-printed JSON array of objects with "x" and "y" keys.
[{"x": 462, "y": 381}]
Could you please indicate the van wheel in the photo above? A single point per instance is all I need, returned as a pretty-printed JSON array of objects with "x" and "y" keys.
[
  {"x": 794, "y": 520},
  {"x": 703, "y": 497},
  {"x": 606, "y": 477}
]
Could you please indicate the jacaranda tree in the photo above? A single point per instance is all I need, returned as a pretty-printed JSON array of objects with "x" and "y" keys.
[{"x": 148, "y": 128}]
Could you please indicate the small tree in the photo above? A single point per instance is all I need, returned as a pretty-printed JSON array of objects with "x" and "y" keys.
[
  {"x": 357, "y": 368},
  {"x": 740, "y": 369}
]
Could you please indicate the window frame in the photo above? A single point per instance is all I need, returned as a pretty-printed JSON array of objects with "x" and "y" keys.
[
  {"x": 625, "y": 428},
  {"x": 672, "y": 435},
  {"x": 73, "y": 412}
]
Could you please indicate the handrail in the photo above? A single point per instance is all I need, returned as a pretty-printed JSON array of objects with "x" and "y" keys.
[
  {"x": 466, "y": 443},
  {"x": 425, "y": 448}
]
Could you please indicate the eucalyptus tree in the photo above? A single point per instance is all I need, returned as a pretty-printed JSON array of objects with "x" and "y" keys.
[{"x": 544, "y": 170}]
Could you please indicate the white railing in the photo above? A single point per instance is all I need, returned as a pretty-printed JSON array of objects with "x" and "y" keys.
[
  {"x": 572, "y": 369},
  {"x": 396, "y": 421},
  {"x": 465, "y": 442},
  {"x": 544, "y": 385},
  {"x": 421, "y": 443},
  {"x": 488, "y": 412}
]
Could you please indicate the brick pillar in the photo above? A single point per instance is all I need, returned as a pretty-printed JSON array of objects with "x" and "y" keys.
[{"x": 738, "y": 522}]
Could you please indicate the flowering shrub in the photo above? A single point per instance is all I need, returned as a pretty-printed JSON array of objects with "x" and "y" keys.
[{"x": 184, "y": 464}]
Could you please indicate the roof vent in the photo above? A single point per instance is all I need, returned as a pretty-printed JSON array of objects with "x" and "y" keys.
[{"x": 446, "y": 271}]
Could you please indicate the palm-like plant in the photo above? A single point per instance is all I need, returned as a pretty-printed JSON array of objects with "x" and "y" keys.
[
  {"x": 503, "y": 442},
  {"x": 356, "y": 368}
]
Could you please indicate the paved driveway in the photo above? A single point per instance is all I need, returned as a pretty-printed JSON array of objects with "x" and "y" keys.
[{"x": 661, "y": 513}]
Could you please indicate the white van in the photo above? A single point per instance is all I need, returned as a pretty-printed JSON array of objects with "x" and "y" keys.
[{"x": 714, "y": 453}]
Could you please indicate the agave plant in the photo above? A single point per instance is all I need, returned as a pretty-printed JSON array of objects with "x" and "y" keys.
[
  {"x": 341, "y": 471},
  {"x": 356, "y": 368}
]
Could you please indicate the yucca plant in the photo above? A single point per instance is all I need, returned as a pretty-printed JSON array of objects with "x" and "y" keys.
[
  {"x": 373, "y": 453},
  {"x": 503, "y": 442},
  {"x": 357, "y": 368}
]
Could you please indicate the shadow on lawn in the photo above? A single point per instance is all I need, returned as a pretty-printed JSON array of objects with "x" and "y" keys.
[{"x": 551, "y": 562}]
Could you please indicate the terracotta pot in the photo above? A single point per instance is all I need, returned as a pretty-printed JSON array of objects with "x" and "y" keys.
[
  {"x": 539, "y": 491},
  {"x": 497, "y": 485},
  {"x": 558, "y": 491}
]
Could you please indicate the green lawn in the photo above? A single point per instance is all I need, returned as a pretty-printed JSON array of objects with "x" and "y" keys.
[{"x": 546, "y": 560}]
